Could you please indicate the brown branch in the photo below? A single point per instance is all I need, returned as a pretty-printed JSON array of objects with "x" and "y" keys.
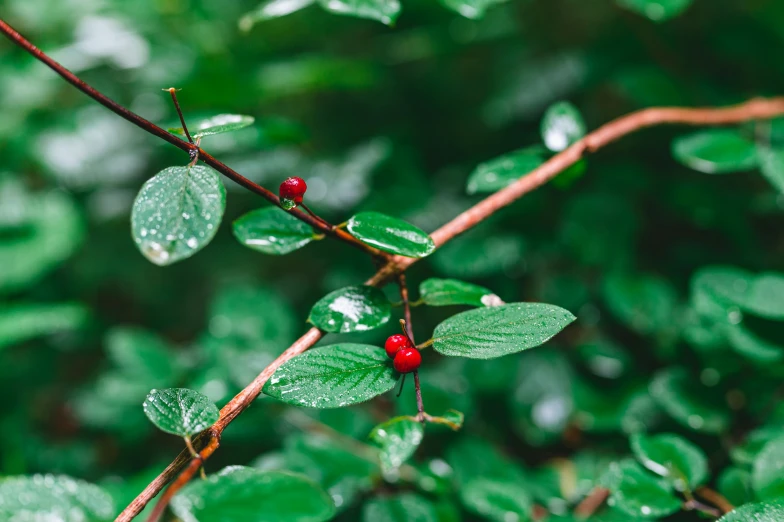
[
  {"x": 192, "y": 149},
  {"x": 173, "y": 93},
  {"x": 715, "y": 498},
  {"x": 754, "y": 109},
  {"x": 591, "y": 503},
  {"x": 604, "y": 135},
  {"x": 401, "y": 281}
]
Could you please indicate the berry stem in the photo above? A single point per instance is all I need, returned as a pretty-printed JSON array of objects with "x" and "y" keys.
[
  {"x": 317, "y": 217},
  {"x": 173, "y": 92},
  {"x": 407, "y": 328}
]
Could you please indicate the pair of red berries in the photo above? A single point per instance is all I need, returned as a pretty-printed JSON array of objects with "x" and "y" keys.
[
  {"x": 291, "y": 192},
  {"x": 405, "y": 357}
]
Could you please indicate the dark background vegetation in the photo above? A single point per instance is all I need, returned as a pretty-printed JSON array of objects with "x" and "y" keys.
[{"x": 388, "y": 119}]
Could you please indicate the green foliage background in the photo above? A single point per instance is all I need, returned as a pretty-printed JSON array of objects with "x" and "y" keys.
[{"x": 388, "y": 119}]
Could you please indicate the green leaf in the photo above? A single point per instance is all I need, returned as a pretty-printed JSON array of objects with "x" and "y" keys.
[
  {"x": 390, "y": 234},
  {"x": 497, "y": 500},
  {"x": 473, "y": 9},
  {"x": 770, "y": 511},
  {"x": 772, "y": 166},
  {"x": 480, "y": 255},
  {"x": 446, "y": 292},
  {"x": 180, "y": 411},
  {"x": 240, "y": 494},
  {"x": 689, "y": 403},
  {"x": 638, "y": 494},
  {"x": 562, "y": 125},
  {"x": 656, "y": 10},
  {"x": 766, "y": 296},
  {"x": 351, "y": 309},
  {"x": 406, "y": 507},
  {"x": 735, "y": 485},
  {"x": 271, "y": 231},
  {"x": 672, "y": 457},
  {"x": 217, "y": 125},
  {"x": 644, "y": 303},
  {"x": 398, "y": 439},
  {"x": 501, "y": 172},
  {"x": 715, "y": 151},
  {"x": 767, "y": 477},
  {"x": 141, "y": 355},
  {"x": 21, "y": 322},
  {"x": 333, "y": 376},
  {"x": 53, "y": 497},
  {"x": 177, "y": 212},
  {"x": 485, "y": 333},
  {"x": 272, "y": 9},
  {"x": 716, "y": 291},
  {"x": 43, "y": 231},
  {"x": 384, "y": 11},
  {"x": 751, "y": 346}
]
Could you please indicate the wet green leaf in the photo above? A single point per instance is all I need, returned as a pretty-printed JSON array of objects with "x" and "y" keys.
[
  {"x": 406, "y": 507},
  {"x": 485, "y": 333},
  {"x": 445, "y": 292},
  {"x": 333, "y": 376},
  {"x": 766, "y": 296},
  {"x": 216, "y": 125},
  {"x": 498, "y": 173},
  {"x": 239, "y": 494},
  {"x": 769, "y": 511},
  {"x": 351, "y": 309},
  {"x": 688, "y": 402},
  {"x": 272, "y": 231},
  {"x": 177, "y": 212},
  {"x": 673, "y": 457},
  {"x": 272, "y": 9},
  {"x": 656, "y": 10},
  {"x": 398, "y": 439},
  {"x": 20, "y": 322},
  {"x": 638, "y": 493},
  {"x": 562, "y": 125},
  {"x": 53, "y": 497},
  {"x": 390, "y": 234},
  {"x": 767, "y": 477},
  {"x": 717, "y": 290},
  {"x": 384, "y": 11},
  {"x": 715, "y": 151},
  {"x": 180, "y": 411},
  {"x": 497, "y": 500},
  {"x": 772, "y": 166}
]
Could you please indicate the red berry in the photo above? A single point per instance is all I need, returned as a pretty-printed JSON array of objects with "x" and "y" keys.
[
  {"x": 407, "y": 360},
  {"x": 395, "y": 343},
  {"x": 292, "y": 190}
]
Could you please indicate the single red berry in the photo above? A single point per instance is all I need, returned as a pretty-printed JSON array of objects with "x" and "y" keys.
[
  {"x": 407, "y": 360},
  {"x": 291, "y": 191},
  {"x": 395, "y": 343}
]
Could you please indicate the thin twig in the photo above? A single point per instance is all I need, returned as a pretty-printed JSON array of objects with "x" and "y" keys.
[
  {"x": 173, "y": 93},
  {"x": 591, "y": 503},
  {"x": 715, "y": 498},
  {"x": 190, "y": 148},
  {"x": 401, "y": 281},
  {"x": 754, "y": 109}
]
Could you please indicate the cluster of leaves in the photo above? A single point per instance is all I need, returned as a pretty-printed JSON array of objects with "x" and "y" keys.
[{"x": 665, "y": 390}]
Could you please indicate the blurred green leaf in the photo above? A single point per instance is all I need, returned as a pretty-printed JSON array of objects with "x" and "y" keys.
[
  {"x": 20, "y": 322},
  {"x": 496, "y": 500},
  {"x": 177, "y": 212},
  {"x": 398, "y": 439},
  {"x": 644, "y": 303},
  {"x": 239, "y": 494},
  {"x": 390, "y": 234},
  {"x": 406, "y": 507},
  {"x": 272, "y": 9},
  {"x": 141, "y": 355},
  {"x": 384, "y": 11},
  {"x": 485, "y": 333},
  {"x": 351, "y": 309},
  {"x": 473, "y": 9},
  {"x": 766, "y": 296},
  {"x": 772, "y": 166},
  {"x": 715, "y": 151},
  {"x": 53, "y": 497},
  {"x": 475, "y": 255},
  {"x": 672, "y": 457},
  {"x": 656, "y": 10},
  {"x": 767, "y": 478},
  {"x": 446, "y": 292},
  {"x": 735, "y": 485},
  {"x": 688, "y": 402},
  {"x": 272, "y": 231},
  {"x": 180, "y": 411},
  {"x": 562, "y": 125},
  {"x": 637, "y": 493},
  {"x": 333, "y": 376},
  {"x": 498, "y": 173}
]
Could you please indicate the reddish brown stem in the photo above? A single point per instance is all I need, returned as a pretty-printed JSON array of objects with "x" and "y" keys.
[
  {"x": 190, "y": 148},
  {"x": 715, "y": 498},
  {"x": 754, "y": 109},
  {"x": 591, "y": 503},
  {"x": 401, "y": 281},
  {"x": 173, "y": 93}
]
